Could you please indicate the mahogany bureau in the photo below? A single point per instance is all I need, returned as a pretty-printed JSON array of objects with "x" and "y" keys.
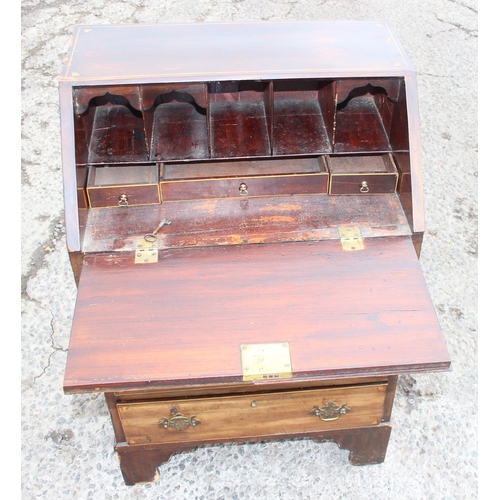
[{"x": 244, "y": 215}]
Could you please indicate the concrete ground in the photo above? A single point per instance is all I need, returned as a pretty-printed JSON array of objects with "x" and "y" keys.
[{"x": 67, "y": 441}]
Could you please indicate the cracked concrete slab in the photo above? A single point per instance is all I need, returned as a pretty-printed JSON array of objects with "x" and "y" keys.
[{"x": 67, "y": 441}]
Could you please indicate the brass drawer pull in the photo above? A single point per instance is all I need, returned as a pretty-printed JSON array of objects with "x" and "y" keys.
[
  {"x": 329, "y": 412},
  {"x": 364, "y": 187},
  {"x": 179, "y": 422},
  {"x": 123, "y": 200},
  {"x": 243, "y": 189}
]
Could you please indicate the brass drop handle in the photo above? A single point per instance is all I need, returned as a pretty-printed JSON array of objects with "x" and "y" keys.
[
  {"x": 330, "y": 412},
  {"x": 123, "y": 200},
  {"x": 179, "y": 422},
  {"x": 243, "y": 189},
  {"x": 364, "y": 187}
]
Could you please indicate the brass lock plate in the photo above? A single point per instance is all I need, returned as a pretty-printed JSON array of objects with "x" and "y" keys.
[
  {"x": 266, "y": 361},
  {"x": 146, "y": 252}
]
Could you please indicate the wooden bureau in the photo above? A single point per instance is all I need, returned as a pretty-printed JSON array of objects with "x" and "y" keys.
[{"x": 244, "y": 215}]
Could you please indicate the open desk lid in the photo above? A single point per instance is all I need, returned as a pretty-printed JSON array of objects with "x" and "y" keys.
[{"x": 185, "y": 318}]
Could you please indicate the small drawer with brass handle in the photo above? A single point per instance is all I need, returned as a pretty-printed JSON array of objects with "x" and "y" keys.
[
  {"x": 243, "y": 178},
  {"x": 251, "y": 416},
  {"x": 362, "y": 174},
  {"x": 123, "y": 200},
  {"x": 123, "y": 186},
  {"x": 364, "y": 187}
]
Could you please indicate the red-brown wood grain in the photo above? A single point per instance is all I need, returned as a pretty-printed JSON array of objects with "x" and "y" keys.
[
  {"x": 239, "y": 129},
  {"x": 117, "y": 136},
  {"x": 360, "y": 127},
  {"x": 129, "y": 195},
  {"x": 365, "y": 184},
  {"x": 251, "y": 186},
  {"x": 245, "y": 220},
  {"x": 179, "y": 131},
  {"x": 184, "y": 318}
]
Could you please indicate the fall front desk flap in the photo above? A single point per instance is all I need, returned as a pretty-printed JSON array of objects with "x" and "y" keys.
[{"x": 304, "y": 309}]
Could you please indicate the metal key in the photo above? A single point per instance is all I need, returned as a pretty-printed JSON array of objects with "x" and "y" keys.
[{"x": 151, "y": 237}]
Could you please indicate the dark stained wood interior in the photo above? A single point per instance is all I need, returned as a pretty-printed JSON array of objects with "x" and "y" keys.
[
  {"x": 238, "y": 119},
  {"x": 179, "y": 132},
  {"x": 299, "y": 124},
  {"x": 117, "y": 132},
  {"x": 360, "y": 127},
  {"x": 239, "y": 129}
]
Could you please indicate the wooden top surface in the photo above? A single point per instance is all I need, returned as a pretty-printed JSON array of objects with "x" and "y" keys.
[
  {"x": 183, "y": 319},
  {"x": 142, "y": 53}
]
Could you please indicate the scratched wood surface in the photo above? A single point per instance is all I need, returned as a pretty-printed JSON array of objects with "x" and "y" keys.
[
  {"x": 183, "y": 319},
  {"x": 240, "y": 221}
]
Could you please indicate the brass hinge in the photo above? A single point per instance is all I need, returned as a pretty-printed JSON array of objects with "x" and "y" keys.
[
  {"x": 146, "y": 249},
  {"x": 351, "y": 239},
  {"x": 146, "y": 252}
]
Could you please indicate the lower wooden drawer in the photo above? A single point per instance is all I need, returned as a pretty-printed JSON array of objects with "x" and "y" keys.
[
  {"x": 251, "y": 416},
  {"x": 243, "y": 178}
]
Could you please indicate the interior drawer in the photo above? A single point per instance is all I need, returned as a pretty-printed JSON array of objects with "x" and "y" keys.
[
  {"x": 243, "y": 178},
  {"x": 253, "y": 415},
  {"x": 362, "y": 174},
  {"x": 123, "y": 186}
]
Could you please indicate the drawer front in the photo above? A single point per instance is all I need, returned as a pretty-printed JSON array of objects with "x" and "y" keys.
[
  {"x": 244, "y": 187},
  {"x": 363, "y": 184},
  {"x": 117, "y": 196},
  {"x": 252, "y": 416}
]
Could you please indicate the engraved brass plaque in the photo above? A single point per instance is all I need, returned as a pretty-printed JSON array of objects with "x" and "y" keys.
[
  {"x": 266, "y": 361},
  {"x": 351, "y": 239},
  {"x": 146, "y": 252}
]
